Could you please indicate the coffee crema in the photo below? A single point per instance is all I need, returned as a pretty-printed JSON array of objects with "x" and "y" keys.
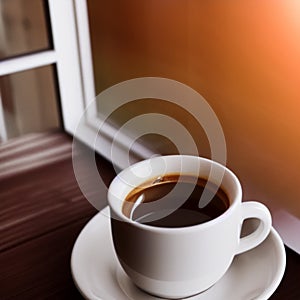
[{"x": 173, "y": 201}]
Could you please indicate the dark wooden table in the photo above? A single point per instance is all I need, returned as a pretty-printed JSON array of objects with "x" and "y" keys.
[{"x": 42, "y": 212}]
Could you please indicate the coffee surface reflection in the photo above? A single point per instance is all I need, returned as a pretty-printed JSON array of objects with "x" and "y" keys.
[{"x": 173, "y": 201}]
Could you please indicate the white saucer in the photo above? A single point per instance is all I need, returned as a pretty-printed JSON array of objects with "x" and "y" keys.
[{"x": 253, "y": 275}]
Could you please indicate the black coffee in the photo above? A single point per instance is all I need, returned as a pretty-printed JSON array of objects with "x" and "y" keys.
[{"x": 153, "y": 202}]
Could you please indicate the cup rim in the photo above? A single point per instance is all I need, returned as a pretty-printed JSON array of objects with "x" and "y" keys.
[{"x": 233, "y": 202}]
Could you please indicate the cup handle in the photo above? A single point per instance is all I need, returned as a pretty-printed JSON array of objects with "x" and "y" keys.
[{"x": 253, "y": 209}]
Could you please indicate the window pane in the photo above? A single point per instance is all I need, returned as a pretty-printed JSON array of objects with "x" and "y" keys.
[
  {"x": 29, "y": 101},
  {"x": 23, "y": 27}
]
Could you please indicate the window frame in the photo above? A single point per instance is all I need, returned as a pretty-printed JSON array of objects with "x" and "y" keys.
[{"x": 91, "y": 123}]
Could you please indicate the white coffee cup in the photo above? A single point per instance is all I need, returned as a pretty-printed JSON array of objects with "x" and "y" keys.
[{"x": 180, "y": 262}]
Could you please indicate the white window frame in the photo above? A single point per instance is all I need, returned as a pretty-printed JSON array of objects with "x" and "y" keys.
[
  {"x": 65, "y": 57},
  {"x": 73, "y": 59},
  {"x": 76, "y": 80}
]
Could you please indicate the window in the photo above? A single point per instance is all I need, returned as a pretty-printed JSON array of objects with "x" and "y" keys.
[
  {"x": 48, "y": 57},
  {"x": 28, "y": 92}
]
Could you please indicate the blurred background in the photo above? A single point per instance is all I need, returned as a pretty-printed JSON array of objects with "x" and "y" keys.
[{"x": 242, "y": 56}]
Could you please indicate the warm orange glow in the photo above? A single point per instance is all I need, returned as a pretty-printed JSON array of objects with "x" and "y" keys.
[{"x": 242, "y": 56}]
